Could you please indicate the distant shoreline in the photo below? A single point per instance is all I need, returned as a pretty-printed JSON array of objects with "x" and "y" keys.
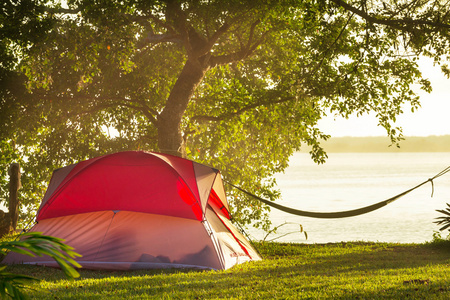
[{"x": 382, "y": 144}]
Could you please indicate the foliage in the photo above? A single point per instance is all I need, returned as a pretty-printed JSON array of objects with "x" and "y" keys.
[
  {"x": 289, "y": 271},
  {"x": 239, "y": 85},
  {"x": 444, "y": 220},
  {"x": 275, "y": 228},
  {"x": 440, "y": 241},
  {"x": 12, "y": 285},
  {"x": 34, "y": 244}
]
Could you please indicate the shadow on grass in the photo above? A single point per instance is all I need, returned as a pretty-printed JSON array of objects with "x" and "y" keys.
[{"x": 339, "y": 271}]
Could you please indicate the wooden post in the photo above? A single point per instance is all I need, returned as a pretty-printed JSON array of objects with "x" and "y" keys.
[
  {"x": 8, "y": 221},
  {"x": 14, "y": 186}
]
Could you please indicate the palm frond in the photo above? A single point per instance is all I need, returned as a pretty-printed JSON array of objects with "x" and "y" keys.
[
  {"x": 35, "y": 244},
  {"x": 12, "y": 285},
  {"x": 444, "y": 220}
]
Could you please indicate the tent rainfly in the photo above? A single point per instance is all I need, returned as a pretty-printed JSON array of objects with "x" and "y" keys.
[{"x": 140, "y": 210}]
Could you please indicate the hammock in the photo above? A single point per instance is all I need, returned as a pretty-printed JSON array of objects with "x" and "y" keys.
[{"x": 341, "y": 214}]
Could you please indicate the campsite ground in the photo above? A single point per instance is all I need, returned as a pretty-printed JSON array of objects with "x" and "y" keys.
[{"x": 289, "y": 271}]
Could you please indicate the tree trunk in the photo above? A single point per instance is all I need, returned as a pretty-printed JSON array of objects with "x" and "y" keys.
[
  {"x": 170, "y": 139},
  {"x": 14, "y": 186},
  {"x": 8, "y": 221}
]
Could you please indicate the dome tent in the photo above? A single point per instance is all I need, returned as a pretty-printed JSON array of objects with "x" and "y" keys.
[{"x": 139, "y": 210}]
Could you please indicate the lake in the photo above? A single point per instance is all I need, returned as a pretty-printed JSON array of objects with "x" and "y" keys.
[{"x": 352, "y": 180}]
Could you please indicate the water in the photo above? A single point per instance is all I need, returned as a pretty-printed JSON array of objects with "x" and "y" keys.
[{"x": 353, "y": 180}]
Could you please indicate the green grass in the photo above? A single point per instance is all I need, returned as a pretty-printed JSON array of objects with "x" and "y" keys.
[{"x": 289, "y": 271}]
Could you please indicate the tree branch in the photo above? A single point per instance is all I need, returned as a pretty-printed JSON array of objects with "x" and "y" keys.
[
  {"x": 61, "y": 10},
  {"x": 229, "y": 115},
  {"x": 252, "y": 32},
  {"x": 143, "y": 108},
  {"x": 236, "y": 56},
  {"x": 162, "y": 24},
  {"x": 324, "y": 53},
  {"x": 176, "y": 17},
  {"x": 218, "y": 34},
  {"x": 396, "y": 23},
  {"x": 152, "y": 38},
  {"x": 171, "y": 36}
]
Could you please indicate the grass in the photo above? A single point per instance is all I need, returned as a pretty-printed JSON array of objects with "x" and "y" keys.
[{"x": 289, "y": 271}]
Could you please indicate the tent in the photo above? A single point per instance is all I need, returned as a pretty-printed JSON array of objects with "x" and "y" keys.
[{"x": 139, "y": 210}]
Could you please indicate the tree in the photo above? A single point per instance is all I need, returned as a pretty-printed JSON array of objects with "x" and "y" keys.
[
  {"x": 237, "y": 84},
  {"x": 22, "y": 24}
]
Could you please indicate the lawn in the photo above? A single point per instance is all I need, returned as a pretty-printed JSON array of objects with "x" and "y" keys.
[{"x": 354, "y": 270}]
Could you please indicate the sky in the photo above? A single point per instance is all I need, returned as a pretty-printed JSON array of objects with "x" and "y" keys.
[{"x": 433, "y": 118}]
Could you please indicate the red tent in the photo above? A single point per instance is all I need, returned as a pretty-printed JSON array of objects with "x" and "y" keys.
[{"x": 133, "y": 210}]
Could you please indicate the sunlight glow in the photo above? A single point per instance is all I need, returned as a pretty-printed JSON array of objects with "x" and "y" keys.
[{"x": 431, "y": 119}]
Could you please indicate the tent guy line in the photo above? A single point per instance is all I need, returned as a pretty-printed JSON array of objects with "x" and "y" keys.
[{"x": 341, "y": 214}]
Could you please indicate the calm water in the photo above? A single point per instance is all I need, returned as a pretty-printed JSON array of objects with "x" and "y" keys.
[{"x": 353, "y": 180}]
